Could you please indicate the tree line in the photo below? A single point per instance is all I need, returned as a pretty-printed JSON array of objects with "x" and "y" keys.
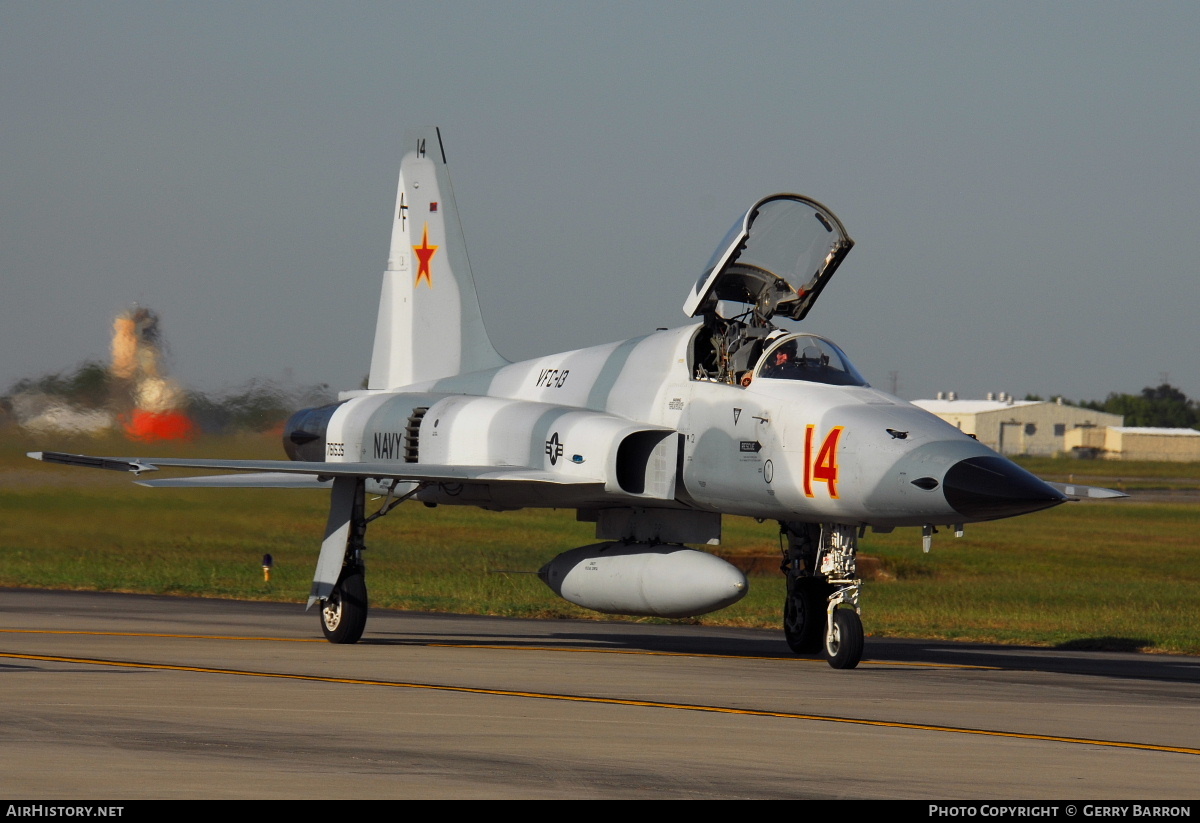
[{"x": 1157, "y": 407}]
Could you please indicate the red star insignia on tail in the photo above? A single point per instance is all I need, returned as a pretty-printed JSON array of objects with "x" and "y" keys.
[{"x": 424, "y": 253}]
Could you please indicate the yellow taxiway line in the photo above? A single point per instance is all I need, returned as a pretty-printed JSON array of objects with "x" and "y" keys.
[
  {"x": 610, "y": 701},
  {"x": 503, "y": 647}
]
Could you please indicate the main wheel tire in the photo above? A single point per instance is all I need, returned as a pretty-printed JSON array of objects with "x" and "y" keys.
[
  {"x": 804, "y": 615},
  {"x": 344, "y": 614},
  {"x": 844, "y": 644}
]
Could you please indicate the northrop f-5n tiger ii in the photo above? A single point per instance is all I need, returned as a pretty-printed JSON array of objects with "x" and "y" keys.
[{"x": 653, "y": 438}]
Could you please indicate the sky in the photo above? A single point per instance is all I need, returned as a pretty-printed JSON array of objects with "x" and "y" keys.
[{"x": 1022, "y": 180}]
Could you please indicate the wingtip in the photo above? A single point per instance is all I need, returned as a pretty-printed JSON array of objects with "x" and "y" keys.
[
  {"x": 1076, "y": 492},
  {"x": 1099, "y": 493}
]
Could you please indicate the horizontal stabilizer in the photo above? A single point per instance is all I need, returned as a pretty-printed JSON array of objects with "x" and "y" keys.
[
  {"x": 257, "y": 480},
  {"x": 121, "y": 464},
  {"x": 418, "y": 472},
  {"x": 1077, "y": 492}
]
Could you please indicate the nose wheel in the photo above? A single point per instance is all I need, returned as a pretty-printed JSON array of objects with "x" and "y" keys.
[
  {"x": 821, "y": 608},
  {"x": 844, "y": 639}
]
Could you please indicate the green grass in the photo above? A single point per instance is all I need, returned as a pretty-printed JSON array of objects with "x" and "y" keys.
[
  {"x": 1118, "y": 575},
  {"x": 1117, "y": 474}
]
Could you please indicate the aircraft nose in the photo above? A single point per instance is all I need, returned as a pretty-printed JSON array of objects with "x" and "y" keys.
[{"x": 987, "y": 488}]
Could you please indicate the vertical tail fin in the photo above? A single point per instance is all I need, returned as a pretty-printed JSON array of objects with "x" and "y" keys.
[{"x": 429, "y": 323}]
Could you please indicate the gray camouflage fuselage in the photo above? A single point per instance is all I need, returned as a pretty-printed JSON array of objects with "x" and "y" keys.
[{"x": 624, "y": 424}]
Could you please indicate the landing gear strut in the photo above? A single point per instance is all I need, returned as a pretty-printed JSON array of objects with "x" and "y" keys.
[
  {"x": 340, "y": 582},
  {"x": 819, "y": 563},
  {"x": 344, "y": 606}
]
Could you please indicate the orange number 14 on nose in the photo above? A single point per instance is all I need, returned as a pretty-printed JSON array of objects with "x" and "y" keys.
[{"x": 825, "y": 468}]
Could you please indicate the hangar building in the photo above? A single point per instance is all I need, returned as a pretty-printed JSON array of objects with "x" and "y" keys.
[
  {"x": 1013, "y": 426},
  {"x": 1136, "y": 443}
]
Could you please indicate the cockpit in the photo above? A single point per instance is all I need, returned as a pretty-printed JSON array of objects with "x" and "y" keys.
[{"x": 810, "y": 358}]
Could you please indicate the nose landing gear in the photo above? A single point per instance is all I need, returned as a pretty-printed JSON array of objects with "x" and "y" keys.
[{"x": 819, "y": 562}]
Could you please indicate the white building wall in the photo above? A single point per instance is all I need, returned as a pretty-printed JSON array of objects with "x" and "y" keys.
[
  {"x": 1144, "y": 443},
  {"x": 1019, "y": 426}
]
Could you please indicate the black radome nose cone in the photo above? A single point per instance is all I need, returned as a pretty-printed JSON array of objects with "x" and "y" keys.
[{"x": 988, "y": 488}]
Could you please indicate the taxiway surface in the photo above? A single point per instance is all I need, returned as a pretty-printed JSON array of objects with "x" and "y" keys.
[{"x": 124, "y": 696}]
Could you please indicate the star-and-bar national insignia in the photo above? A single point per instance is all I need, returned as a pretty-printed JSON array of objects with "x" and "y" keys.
[
  {"x": 554, "y": 449},
  {"x": 424, "y": 253}
]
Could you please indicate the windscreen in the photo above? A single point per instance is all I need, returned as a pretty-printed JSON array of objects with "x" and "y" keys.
[{"x": 810, "y": 358}]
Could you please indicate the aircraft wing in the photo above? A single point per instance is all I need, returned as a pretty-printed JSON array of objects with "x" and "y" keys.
[
  {"x": 342, "y": 477},
  {"x": 271, "y": 473}
]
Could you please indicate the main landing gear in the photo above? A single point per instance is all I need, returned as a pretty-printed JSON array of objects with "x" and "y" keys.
[
  {"x": 340, "y": 585},
  {"x": 819, "y": 563}
]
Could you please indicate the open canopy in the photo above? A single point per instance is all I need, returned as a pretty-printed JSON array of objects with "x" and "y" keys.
[{"x": 777, "y": 257}]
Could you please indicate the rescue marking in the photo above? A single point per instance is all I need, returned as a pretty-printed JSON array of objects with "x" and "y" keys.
[
  {"x": 825, "y": 468},
  {"x": 425, "y": 253},
  {"x": 608, "y": 701}
]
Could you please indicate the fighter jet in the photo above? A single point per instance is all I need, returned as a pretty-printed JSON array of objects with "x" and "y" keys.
[{"x": 654, "y": 439}]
